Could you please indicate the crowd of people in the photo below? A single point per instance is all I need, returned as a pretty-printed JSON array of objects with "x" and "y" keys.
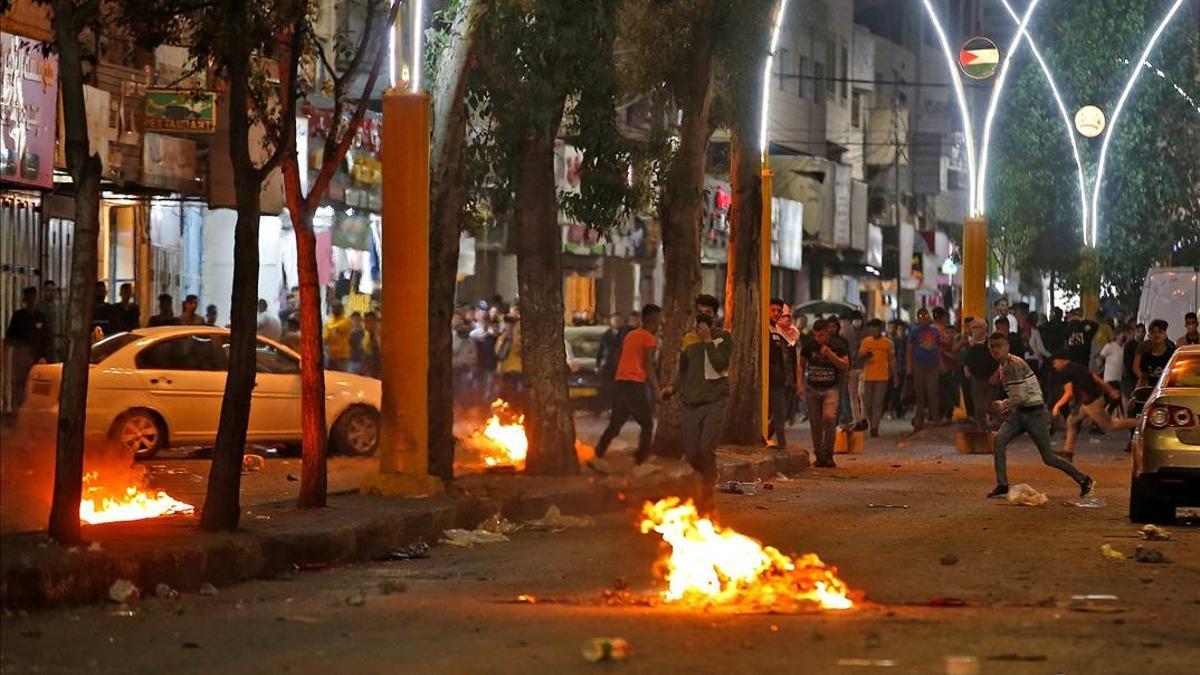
[{"x": 485, "y": 346}]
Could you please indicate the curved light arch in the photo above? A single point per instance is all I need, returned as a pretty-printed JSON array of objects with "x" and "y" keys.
[
  {"x": 972, "y": 175},
  {"x": 1067, "y": 122},
  {"x": 776, "y": 28},
  {"x": 994, "y": 99},
  {"x": 1116, "y": 114}
]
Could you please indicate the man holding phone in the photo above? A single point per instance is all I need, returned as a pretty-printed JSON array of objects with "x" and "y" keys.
[
  {"x": 703, "y": 387},
  {"x": 823, "y": 364}
]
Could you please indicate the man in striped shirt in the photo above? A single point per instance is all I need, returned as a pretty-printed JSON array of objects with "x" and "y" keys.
[{"x": 1025, "y": 412}]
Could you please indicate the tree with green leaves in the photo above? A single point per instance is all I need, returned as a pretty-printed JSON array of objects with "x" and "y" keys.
[
  {"x": 1150, "y": 199},
  {"x": 546, "y": 71}
]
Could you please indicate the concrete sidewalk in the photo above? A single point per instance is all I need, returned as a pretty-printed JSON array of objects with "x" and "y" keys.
[{"x": 276, "y": 538}]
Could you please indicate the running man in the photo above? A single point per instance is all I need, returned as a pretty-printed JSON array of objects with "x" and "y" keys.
[
  {"x": 636, "y": 381},
  {"x": 1089, "y": 391},
  {"x": 1026, "y": 413}
]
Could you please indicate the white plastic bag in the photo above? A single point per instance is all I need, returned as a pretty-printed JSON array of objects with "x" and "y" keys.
[{"x": 1025, "y": 495}]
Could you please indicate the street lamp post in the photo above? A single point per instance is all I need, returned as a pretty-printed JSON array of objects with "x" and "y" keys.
[{"x": 404, "y": 429}]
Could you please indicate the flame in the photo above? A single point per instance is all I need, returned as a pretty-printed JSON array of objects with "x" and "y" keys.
[
  {"x": 101, "y": 504},
  {"x": 508, "y": 435},
  {"x": 710, "y": 565}
]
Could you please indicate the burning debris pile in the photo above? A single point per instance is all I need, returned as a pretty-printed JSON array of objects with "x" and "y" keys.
[
  {"x": 711, "y": 566},
  {"x": 124, "y": 500},
  {"x": 501, "y": 442}
]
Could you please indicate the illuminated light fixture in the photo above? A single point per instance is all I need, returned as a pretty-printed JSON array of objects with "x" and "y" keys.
[
  {"x": 1116, "y": 115},
  {"x": 1067, "y": 123},
  {"x": 392, "y": 55},
  {"x": 960, "y": 95},
  {"x": 776, "y": 28},
  {"x": 418, "y": 12},
  {"x": 997, "y": 89},
  {"x": 1089, "y": 121}
]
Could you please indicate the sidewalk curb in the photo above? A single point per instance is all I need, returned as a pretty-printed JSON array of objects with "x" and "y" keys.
[{"x": 354, "y": 528}]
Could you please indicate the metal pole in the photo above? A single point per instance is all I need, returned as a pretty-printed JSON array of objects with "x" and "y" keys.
[
  {"x": 974, "y": 267},
  {"x": 764, "y": 284}
]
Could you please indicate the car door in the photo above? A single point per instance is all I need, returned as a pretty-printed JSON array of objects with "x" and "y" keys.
[
  {"x": 275, "y": 404},
  {"x": 184, "y": 377}
]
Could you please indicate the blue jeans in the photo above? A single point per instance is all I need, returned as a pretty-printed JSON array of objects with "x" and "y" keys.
[{"x": 1036, "y": 423}]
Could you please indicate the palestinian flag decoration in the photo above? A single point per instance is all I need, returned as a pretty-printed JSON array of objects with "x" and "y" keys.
[{"x": 979, "y": 58}]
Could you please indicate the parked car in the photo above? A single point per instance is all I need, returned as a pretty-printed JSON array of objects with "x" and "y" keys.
[
  {"x": 1166, "y": 442},
  {"x": 584, "y": 385},
  {"x": 155, "y": 388}
]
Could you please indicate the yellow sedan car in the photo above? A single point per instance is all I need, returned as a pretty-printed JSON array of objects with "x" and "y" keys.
[{"x": 1166, "y": 442}]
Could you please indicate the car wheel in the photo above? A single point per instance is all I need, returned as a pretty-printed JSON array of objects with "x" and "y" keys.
[
  {"x": 1145, "y": 507},
  {"x": 356, "y": 432},
  {"x": 139, "y": 433}
]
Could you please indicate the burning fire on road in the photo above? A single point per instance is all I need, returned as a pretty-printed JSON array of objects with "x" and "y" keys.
[
  {"x": 501, "y": 442},
  {"x": 107, "y": 504},
  {"x": 713, "y": 566}
]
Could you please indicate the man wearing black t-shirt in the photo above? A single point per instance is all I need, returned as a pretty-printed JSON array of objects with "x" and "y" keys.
[
  {"x": 980, "y": 366},
  {"x": 25, "y": 342},
  {"x": 822, "y": 367},
  {"x": 1089, "y": 391},
  {"x": 1153, "y": 354},
  {"x": 1080, "y": 333}
]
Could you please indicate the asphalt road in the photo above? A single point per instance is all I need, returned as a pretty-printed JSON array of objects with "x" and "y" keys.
[{"x": 1014, "y": 568}]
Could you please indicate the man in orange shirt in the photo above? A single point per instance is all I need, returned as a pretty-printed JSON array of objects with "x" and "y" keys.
[
  {"x": 879, "y": 367},
  {"x": 635, "y": 380}
]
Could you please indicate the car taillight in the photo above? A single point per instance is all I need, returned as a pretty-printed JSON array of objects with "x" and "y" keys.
[{"x": 1163, "y": 416}]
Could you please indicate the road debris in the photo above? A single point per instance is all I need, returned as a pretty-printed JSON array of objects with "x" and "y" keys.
[
  {"x": 1145, "y": 554},
  {"x": 554, "y": 520},
  {"x": 1089, "y": 502},
  {"x": 1111, "y": 553},
  {"x": 253, "y": 463},
  {"x": 600, "y": 649},
  {"x": 961, "y": 664},
  {"x": 469, "y": 538},
  {"x": 887, "y": 506},
  {"x": 165, "y": 592},
  {"x": 208, "y": 589},
  {"x": 949, "y": 559},
  {"x": 868, "y": 663},
  {"x": 415, "y": 551},
  {"x": 124, "y": 592},
  {"x": 500, "y": 524},
  {"x": 734, "y": 487},
  {"x": 1025, "y": 495},
  {"x": 1100, "y": 603},
  {"x": 1154, "y": 533}
]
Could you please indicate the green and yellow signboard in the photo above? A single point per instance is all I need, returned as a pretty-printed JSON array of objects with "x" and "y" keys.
[{"x": 184, "y": 111}]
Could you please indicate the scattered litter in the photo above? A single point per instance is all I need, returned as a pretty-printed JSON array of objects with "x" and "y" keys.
[
  {"x": 949, "y": 559},
  {"x": 165, "y": 592},
  {"x": 878, "y": 663},
  {"x": 500, "y": 524},
  {"x": 526, "y": 599},
  {"x": 1095, "y": 603},
  {"x": 357, "y": 600},
  {"x": 734, "y": 487},
  {"x": 781, "y": 478},
  {"x": 415, "y": 551},
  {"x": 298, "y": 619},
  {"x": 253, "y": 463},
  {"x": 292, "y": 478},
  {"x": 1022, "y": 658},
  {"x": 390, "y": 586},
  {"x": 94, "y": 546},
  {"x": 596, "y": 650},
  {"x": 1089, "y": 502},
  {"x": 191, "y": 645},
  {"x": 1024, "y": 494},
  {"x": 962, "y": 665},
  {"x": 311, "y": 566},
  {"x": 123, "y": 591},
  {"x": 468, "y": 538},
  {"x": 1154, "y": 533},
  {"x": 555, "y": 520},
  {"x": 1149, "y": 555},
  {"x": 887, "y": 506},
  {"x": 208, "y": 589},
  {"x": 1111, "y": 553}
]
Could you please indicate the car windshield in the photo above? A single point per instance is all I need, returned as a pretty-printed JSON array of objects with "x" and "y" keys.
[
  {"x": 1185, "y": 372},
  {"x": 584, "y": 345},
  {"x": 109, "y": 345}
]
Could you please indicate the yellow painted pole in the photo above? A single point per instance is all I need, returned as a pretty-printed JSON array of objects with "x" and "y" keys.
[
  {"x": 764, "y": 285},
  {"x": 974, "y": 301},
  {"x": 404, "y": 441}
]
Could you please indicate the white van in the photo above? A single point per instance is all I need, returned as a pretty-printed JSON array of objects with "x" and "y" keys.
[{"x": 1168, "y": 293}]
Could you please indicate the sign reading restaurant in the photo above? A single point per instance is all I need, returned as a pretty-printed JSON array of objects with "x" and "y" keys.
[{"x": 185, "y": 111}]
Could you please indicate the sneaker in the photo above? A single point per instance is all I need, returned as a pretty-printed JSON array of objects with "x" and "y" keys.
[
  {"x": 1087, "y": 487},
  {"x": 998, "y": 491}
]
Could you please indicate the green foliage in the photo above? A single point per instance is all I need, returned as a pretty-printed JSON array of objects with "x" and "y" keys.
[
  {"x": 546, "y": 66},
  {"x": 1150, "y": 200}
]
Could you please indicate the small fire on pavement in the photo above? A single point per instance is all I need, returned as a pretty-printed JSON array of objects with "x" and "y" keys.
[
  {"x": 111, "y": 504},
  {"x": 713, "y": 566},
  {"x": 501, "y": 442}
]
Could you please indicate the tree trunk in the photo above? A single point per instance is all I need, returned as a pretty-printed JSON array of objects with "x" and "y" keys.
[
  {"x": 743, "y": 416},
  {"x": 313, "y": 426},
  {"x": 222, "y": 507},
  {"x": 680, "y": 214},
  {"x": 446, "y": 199},
  {"x": 85, "y": 174},
  {"x": 548, "y": 422}
]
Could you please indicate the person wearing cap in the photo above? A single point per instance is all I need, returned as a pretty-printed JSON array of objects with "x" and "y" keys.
[
  {"x": 1024, "y": 411},
  {"x": 1089, "y": 391}
]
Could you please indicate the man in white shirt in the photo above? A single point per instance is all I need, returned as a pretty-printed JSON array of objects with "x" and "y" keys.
[
  {"x": 1001, "y": 309},
  {"x": 1111, "y": 360},
  {"x": 268, "y": 322}
]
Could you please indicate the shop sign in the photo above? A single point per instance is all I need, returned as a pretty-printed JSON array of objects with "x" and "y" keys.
[
  {"x": 787, "y": 233},
  {"x": 28, "y": 112},
  {"x": 183, "y": 111},
  {"x": 714, "y": 234}
]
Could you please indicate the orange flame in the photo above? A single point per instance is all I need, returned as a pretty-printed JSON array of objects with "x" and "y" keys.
[
  {"x": 710, "y": 565},
  {"x": 101, "y": 504},
  {"x": 509, "y": 435}
]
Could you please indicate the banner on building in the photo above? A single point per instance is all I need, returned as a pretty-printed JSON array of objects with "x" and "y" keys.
[
  {"x": 183, "y": 111},
  {"x": 714, "y": 225},
  {"x": 787, "y": 233},
  {"x": 28, "y": 112}
]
